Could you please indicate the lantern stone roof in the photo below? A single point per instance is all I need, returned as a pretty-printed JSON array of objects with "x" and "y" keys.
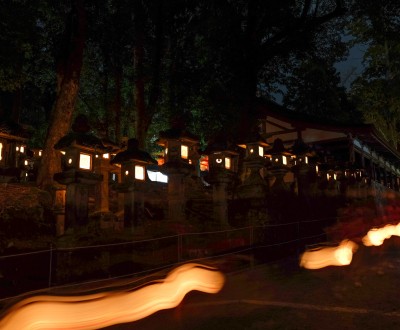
[
  {"x": 81, "y": 139},
  {"x": 80, "y": 136},
  {"x": 220, "y": 143},
  {"x": 176, "y": 133},
  {"x": 11, "y": 129},
  {"x": 278, "y": 148},
  {"x": 133, "y": 153}
]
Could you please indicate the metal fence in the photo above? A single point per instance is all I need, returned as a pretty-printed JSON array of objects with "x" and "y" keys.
[{"x": 25, "y": 272}]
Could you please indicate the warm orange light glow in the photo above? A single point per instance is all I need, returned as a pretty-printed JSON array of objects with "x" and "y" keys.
[
  {"x": 25, "y": 162},
  {"x": 139, "y": 172},
  {"x": 376, "y": 236},
  {"x": 22, "y": 149},
  {"x": 261, "y": 151},
  {"x": 106, "y": 156},
  {"x": 40, "y": 153},
  {"x": 284, "y": 160},
  {"x": 227, "y": 163},
  {"x": 329, "y": 256},
  {"x": 1, "y": 149},
  {"x": 85, "y": 161},
  {"x": 101, "y": 310},
  {"x": 184, "y": 151}
]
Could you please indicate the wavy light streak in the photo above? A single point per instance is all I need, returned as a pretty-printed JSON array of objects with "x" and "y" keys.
[
  {"x": 376, "y": 236},
  {"x": 100, "y": 310},
  {"x": 340, "y": 255}
]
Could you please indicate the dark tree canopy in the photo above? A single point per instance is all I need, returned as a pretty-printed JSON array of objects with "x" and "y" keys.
[{"x": 206, "y": 62}]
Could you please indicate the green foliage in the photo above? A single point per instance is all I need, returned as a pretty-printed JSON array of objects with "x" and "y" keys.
[{"x": 375, "y": 92}]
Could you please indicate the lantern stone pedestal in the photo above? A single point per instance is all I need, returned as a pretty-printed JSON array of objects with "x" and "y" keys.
[
  {"x": 302, "y": 176},
  {"x": 176, "y": 172},
  {"x": 220, "y": 180},
  {"x": 133, "y": 203},
  {"x": 254, "y": 186},
  {"x": 76, "y": 204},
  {"x": 279, "y": 183}
]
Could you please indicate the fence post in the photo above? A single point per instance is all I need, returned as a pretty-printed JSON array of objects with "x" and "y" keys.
[
  {"x": 252, "y": 246},
  {"x": 50, "y": 264}
]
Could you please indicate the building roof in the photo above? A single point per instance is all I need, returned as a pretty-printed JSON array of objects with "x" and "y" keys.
[{"x": 302, "y": 123}]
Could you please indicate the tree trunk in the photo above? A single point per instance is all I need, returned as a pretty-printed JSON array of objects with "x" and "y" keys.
[
  {"x": 145, "y": 111},
  {"x": 118, "y": 103},
  {"x": 68, "y": 74}
]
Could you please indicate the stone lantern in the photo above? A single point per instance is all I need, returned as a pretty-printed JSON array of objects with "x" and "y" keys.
[
  {"x": 301, "y": 165},
  {"x": 279, "y": 159},
  {"x": 181, "y": 160},
  {"x": 133, "y": 164},
  {"x": 223, "y": 166},
  {"x": 253, "y": 186},
  {"x": 79, "y": 150}
]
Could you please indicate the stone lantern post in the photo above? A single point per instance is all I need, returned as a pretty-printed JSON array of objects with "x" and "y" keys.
[
  {"x": 279, "y": 159},
  {"x": 133, "y": 164},
  {"x": 301, "y": 168},
  {"x": 254, "y": 186},
  {"x": 223, "y": 166},
  {"x": 79, "y": 150},
  {"x": 181, "y": 160}
]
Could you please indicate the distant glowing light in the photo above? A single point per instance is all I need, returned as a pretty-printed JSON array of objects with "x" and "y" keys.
[
  {"x": 1, "y": 151},
  {"x": 105, "y": 309},
  {"x": 22, "y": 149},
  {"x": 284, "y": 160},
  {"x": 106, "y": 156},
  {"x": 40, "y": 153},
  {"x": 340, "y": 255},
  {"x": 261, "y": 151},
  {"x": 157, "y": 176}
]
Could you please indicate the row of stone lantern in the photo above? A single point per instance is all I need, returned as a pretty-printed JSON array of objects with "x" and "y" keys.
[{"x": 84, "y": 154}]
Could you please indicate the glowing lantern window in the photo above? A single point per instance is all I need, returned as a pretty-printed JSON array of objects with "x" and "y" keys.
[
  {"x": 70, "y": 161},
  {"x": 251, "y": 150},
  {"x": 139, "y": 172},
  {"x": 227, "y": 163},
  {"x": 62, "y": 152},
  {"x": 316, "y": 168},
  {"x": 22, "y": 149},
  {"x": 40, "y": 153},
  {"x": 126, "y": 172},
  {"x": 106, "y": 156},
  {"x": 306, "y": 160},
  {"x": 17, "y": 148},
  {"x": 85, "y": 161},
  {"x": 184, "y": 152},
  {"x": 219, "y": 160},
  {"x": 1, "y": 150},
  {"x": 284, "y": 160},
  {"x": 166, "y": 151},
  {"x": 25, "y": 162},
  {"x": 261, "y": 151}
]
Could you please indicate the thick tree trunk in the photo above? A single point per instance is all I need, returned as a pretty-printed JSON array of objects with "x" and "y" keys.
[
  {"x": 118, "y": 103},
  {"x": 145, "y": 110},
  {"x": 68, "y": 74}
]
